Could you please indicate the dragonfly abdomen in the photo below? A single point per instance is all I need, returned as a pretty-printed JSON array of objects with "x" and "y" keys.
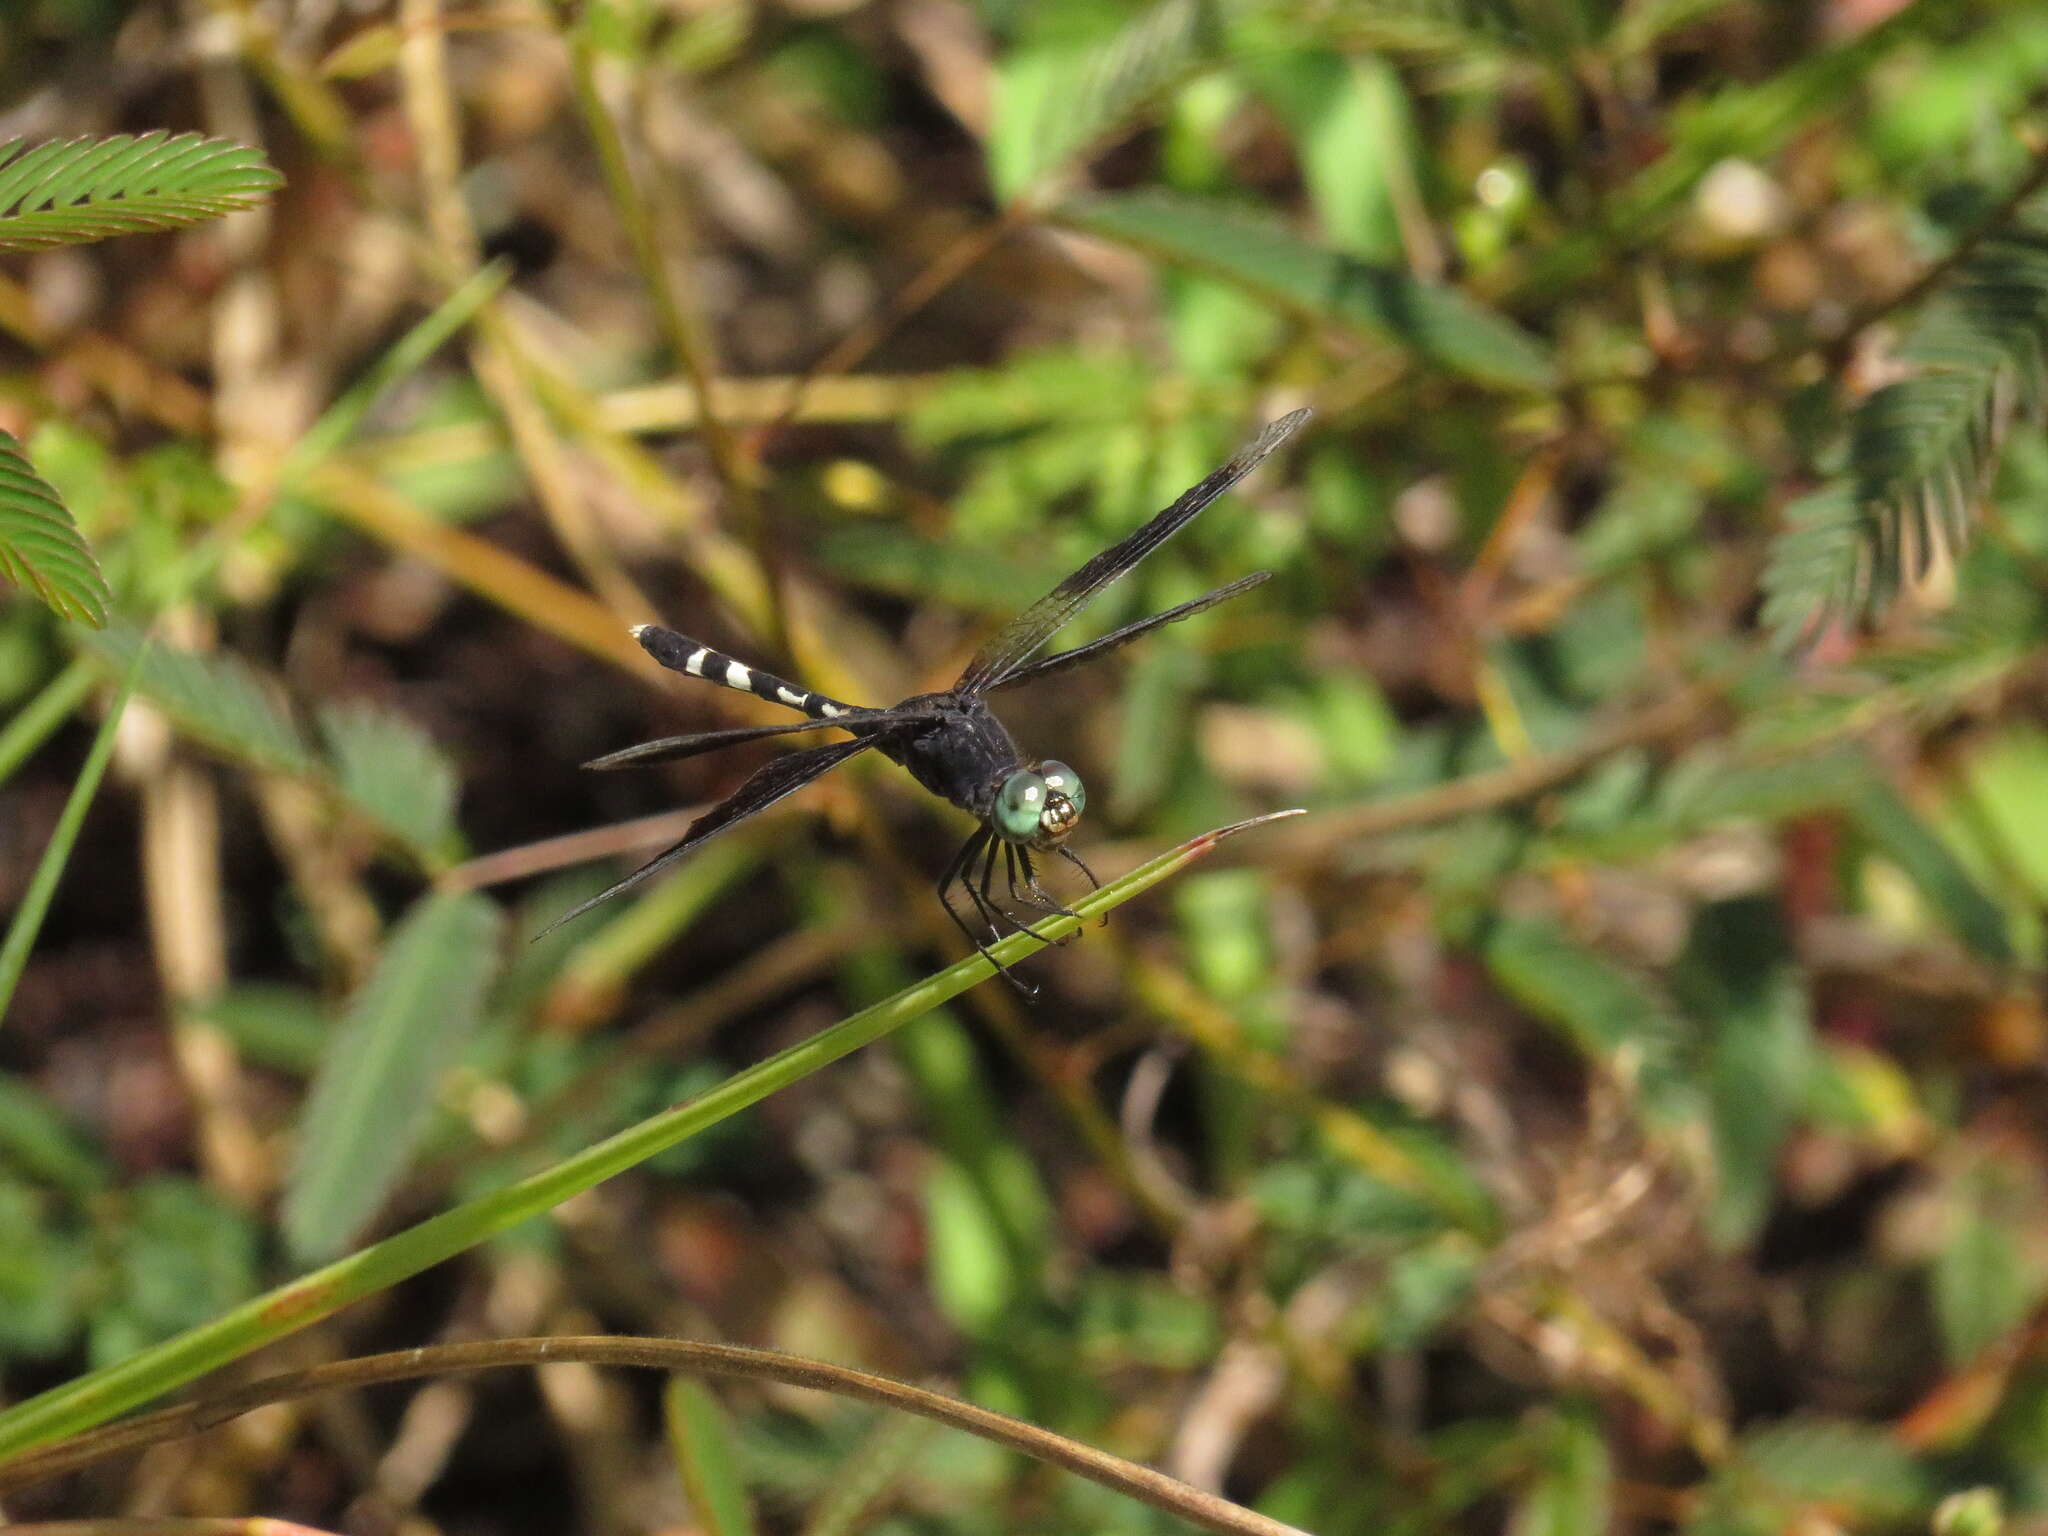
[{"x": 679, "y": 653}]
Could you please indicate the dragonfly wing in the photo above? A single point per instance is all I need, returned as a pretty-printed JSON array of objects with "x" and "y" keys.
[
  {"x": 671, "y": 749},
  {"x": 770, "y": 782},
  {"x": 1032, "y": 671},
  {"x": 1020, "y": 639}
]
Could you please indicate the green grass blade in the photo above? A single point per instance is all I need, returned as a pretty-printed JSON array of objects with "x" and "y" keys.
[
  {"x": 97, "y": 1397},
  {"x": 700, "y": 1439},
  {"x": 42, "y": 886},
  {"x": 33, "y": 723},
  {"x": 41, "y": 547},
  {"x": 375, "y": 1088},
  {"x": 340, "y": 420}
]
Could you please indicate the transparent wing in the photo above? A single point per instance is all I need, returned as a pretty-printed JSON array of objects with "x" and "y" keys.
[
  {"x": 671, "y": 749},
  {"x": 1031, "y": 672},
  {"x": 769, "y": 783},
  {"x": 1018, "y": 640}
]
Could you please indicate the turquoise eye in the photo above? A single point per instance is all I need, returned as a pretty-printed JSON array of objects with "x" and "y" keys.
[
  {"x": 1018, "y": 804},
  {"x": 1062, "y": 780}
]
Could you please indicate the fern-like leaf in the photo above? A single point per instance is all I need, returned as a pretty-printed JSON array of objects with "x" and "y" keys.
[
  {"x": 375, "y": 762},
  {"x": 1820, "y": 566},
  {"x": 1056, "y": 102},
  {"x": 1922, "y": 451},
  {"x": 392, "y": 771},
  {"x": 1467, "y": 28},
  {"x": 41, "y": 547},
  {"x": 68, "y": 191},
  {"x": 218, "y": 699}
]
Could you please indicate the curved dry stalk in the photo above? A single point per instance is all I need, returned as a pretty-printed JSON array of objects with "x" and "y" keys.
[{"x": 1192, "y": 1504}]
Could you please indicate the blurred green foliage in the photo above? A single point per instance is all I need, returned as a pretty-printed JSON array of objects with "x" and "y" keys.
[{"x": 1592, "y": 1117}]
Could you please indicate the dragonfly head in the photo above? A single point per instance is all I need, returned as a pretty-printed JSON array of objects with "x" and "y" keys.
[{"x": 1039, "y": 806}]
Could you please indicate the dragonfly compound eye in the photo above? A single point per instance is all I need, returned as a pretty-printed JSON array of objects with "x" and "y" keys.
[
  {"x": 1062, "y": 780},
  {"x": 1059, "y": 817},
  {"x": 1018, "y": 806}
]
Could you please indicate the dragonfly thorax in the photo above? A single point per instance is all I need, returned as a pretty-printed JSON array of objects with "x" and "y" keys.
[{"x": 962, "y": 754}]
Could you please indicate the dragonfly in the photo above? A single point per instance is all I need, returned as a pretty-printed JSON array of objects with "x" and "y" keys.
[{"x": 950, "y": 742}]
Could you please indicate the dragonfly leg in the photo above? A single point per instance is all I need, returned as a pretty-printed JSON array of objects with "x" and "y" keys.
[
  {"x": 988, "y": 874},
  {"x": 957, "y": 872},
  {"x": 1074, "y": 859},
  {"x": 1034, "y": 893},
  {"x": 1011, "y": 854}
]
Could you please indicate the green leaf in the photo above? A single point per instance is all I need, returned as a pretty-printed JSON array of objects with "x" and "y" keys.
[
  {"x": 1612, "y": 1015},
  {"x": 181, "y": 1255},
  {"x": 1985, "y": 1283},
  {"x": 374, "y": 1091},
  {"x": 41, "y": 547},
  {"x": 1031, "y": 389},
  {"x": 1854, "y": 1473},
  {"x": 1127, "y": 1316},
  {"x": 1818, "y": 567},
  {"x": 1339, "y": 1205},
  {"x": 974, "y": 1276},
  {"x": 1439, "y": 324},
  {"x": 965, "y": 1113},
  {"x": 1350, "y": 118},
  {"x": 1711, "y": 785},
  {"x": 44, "y": 1278},
  {"x": 1572, "y": 1493},
  {"x": 2005, "y": 778},
  {"x": 379, "y": 762},
  {"x": 43, "y": 1144},
  {"x": 218, "y": 699},
  {"x": 1476, "y": 34},
  {"x": 1903, "y": 837},
  {"x": 1424, "y": 1287},
  {"x": 1740, "y": 982},
  {"x": 1226, "y": 919},
  {"x": 276, "y": 1026},
  {"x": 392, "y": 771},
  {"x": 67, "y": 191},
  {"x": 1062, "y": 97},
  {"x": 700, "y": 1438}
]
